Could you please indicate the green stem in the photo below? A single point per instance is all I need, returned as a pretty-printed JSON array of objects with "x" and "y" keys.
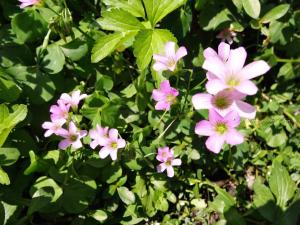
[
  {"x": 287, "y": 60},
  {"x": 162, "y": 116},
  {"x": 188, "y": 89}
]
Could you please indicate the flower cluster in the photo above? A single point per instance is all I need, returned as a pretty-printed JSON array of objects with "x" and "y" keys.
[
  {"x": 166, "y": 157},
  {"x": 229, "y": 82},
  {"x": 60, "y": 116}
]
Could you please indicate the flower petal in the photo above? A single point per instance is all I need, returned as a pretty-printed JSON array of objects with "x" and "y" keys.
[
  {"x": 64, "y": 144},
  {"x": 160, "y": 58},
  {"x": 114, "y": 155},
  {"x": 93, "y": 144},
  {"x": 247, "y": 87},
  {"x": 181, "y": 52},
  {"x": 170, "y": 49},
  {"x": 176, "y": 162},
  {"x": 216, "y": 66},
  {"x": 244, "y": 109},
  {"x": 204, "y": 128},
  {"x": 232, "y": 119},
  {"x": 113, "y": 134},
  {"x": 162, "y": 105},
  {"x": 233, "y": 137},
  {"x": 223, "y": 51},
  {"x": 121, "y": 143},
  {"x": 77, "y": 144},
  {"x": 170, "y": 171},
  {"x": 254, "y": 69},
  {"x": 215, "y": 143},
  {"x": 209, "y": 52},
  {"x": 104, "y": 152},
  {"x": 158, "y": 66},
  {"x": 236, "y": 59},
  {"x": 214, "y": 117},
  {"x": 158, "y": 95},
  {"x": 214, "y": 86},
  {"x": 202, "y": 101},
  {"x": 161, "y": 167}
]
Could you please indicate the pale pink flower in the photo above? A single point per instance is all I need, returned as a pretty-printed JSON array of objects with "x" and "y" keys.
[
  {"x": 165, "y": 96},
  {"x": 59, "y": 111},
  {"x": 227, "y": 34},
  {"x": 226, "y": 70},
  {"x": 166, "y": 157},
  {"x": 73, "y": 99},
  {"x": 169, "y": 60},
  {"x": 223, "y": 102},
  {"x": 72, "y": 137},
  {"x": 53, "y": 127},
  {"x": 100, "y": 136},
  {"x": 111, "y": 145},
  {"x": 25, "y": 3},
  {"x": 220, "y": 130}
]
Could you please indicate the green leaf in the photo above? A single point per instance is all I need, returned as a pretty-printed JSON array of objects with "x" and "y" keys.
[
  {"x": 99, "y": 215},
  {"x": 7, "y": 210},
  {"x": 8, "y": 156},
  {"x": 53, "y": 60},
  {"x": 105, "y": 45},
  {"x": 281, "y": 184},
  {"x": 275, "y": 13},
  {"x": 220, "y": 18},
  {"x": 134, "y": 7},
  {"x": 252, "y": 8},
  {"x": 119, "y": 20},
  {"x": 126, "y": 196},
  {"x": 76, "y": 49},
  {"x": 9, "y": 90},
  {"x": 264, "y": 201},
  {"x": 9, "y": 120},
  {"x": 158, "y": 9},
  {"x": 149, "y": 42},
  {"x": 29, "y": 26},
  {"x": 277, "y": 140},
  {"x": 4, "y": 179},
  {"x": 36, "y": 164}
]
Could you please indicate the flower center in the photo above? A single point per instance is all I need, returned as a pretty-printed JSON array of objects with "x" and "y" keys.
[
  {"x": 171, "y": 62},
  {"x": 222, "y": 100},
  {"x": 170, "y": 98},
  {"x": 73, "y": 137},
  {"x": 164, "y": 154},
  {"x": 232, "y": 82},
  {"x": 221, "y": 128},
  {"x": 114, "y": 145},
  {"x": 168, "y": 162}
]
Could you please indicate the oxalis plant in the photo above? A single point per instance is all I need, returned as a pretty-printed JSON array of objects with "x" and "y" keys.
[{"x": 149, "y": 112}]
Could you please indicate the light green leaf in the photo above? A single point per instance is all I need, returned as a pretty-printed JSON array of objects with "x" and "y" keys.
[
  {"x": 126, "y": 195},
  {"x": 76, "y": 49},
  {"x": 158, "y": 9},
  {"x": 281, "y": 184},
  {"x": 220, "y": 18},
  {"x": 8, "y": 156},
  {"x": 119, "y": 20},
  {"x": 105, "y": 45},
  {"x": 99, "y": 215},
  {"x": 9, "y": 90},
  {"x": 264, "y": 201},
  {"x": 252, "y": 8},
  {"x": 8, "y": 210},
  {"x": 149, "y": 42},
  {"x": 277, "y": 140},
  {"x": 134, "y": 7},
  {"x": 53, "y": 60},
  {"x": 275, "y": 13},
  {"x": 4, "y": 179}
]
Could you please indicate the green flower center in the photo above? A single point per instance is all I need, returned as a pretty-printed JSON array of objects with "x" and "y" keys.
[
  {"x": 232, "y": 82},
  {"x": 168, "y": 162},
  {"x": 114, "y": 145},
  {"x": 73, "y": 137},
  {"x": 170, "y": 98},
  {"x": 171, "y": 62},
  {"x": 222, "y": 100},
  {"x": 221, "y": 128}
]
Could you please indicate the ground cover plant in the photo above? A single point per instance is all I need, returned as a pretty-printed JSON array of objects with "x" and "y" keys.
[{"x": 149, "y": 112}]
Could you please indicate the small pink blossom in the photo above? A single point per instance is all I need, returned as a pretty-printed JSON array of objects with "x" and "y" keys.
[
  {"x": 169, "y": 60},
  {"x": 226, "y": 70},
  {"x": 111, "y": 145},
  {"x": 227, "y": 34},
  {"x": 25, "y": 3},
  {"x": 59, "y": 111},
  {"x": 72, "y": 137},
  {"x": 100, "y": 136},
  {"x": 73, "y": 99},
  {"x": 223, "y": 102},
  {"x": 166, "y": 157},
  {"x": 165, "y": 96},
  {"x": 53, "y": 127},
  {"x": 220, "y": 130}
]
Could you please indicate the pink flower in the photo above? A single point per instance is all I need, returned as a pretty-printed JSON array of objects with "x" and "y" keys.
[
  {"x": 226, "y": 70},
  {"x": 227, "y": 34},
  {"x": 72, "y": 100},
  {"x": 25, "y": 3},
  {"x": 165, "y": 96},
  {"x": 111, "y": 145},
  {"x": 169, "y": 60},
  {"x": 220, "y": 130},
  {"x": 166, "y": 157},
  {"x": 59, "y": 111},
  {"x": 100, "y": 136},
  {"x": 53, "y": 127},
  {"x": 72, "y": 137},
  {"x": 223, "y": 102}
]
